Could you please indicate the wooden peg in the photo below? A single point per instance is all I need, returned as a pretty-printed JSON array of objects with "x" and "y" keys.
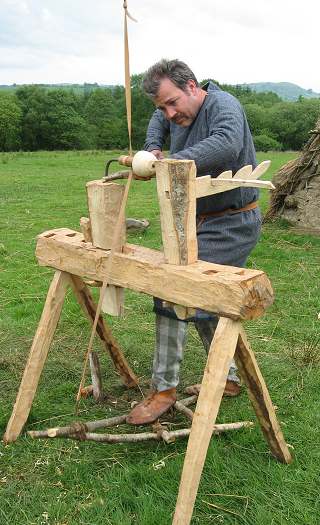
[
  {"x": 85, "y": 227},
  {"x": 113, "y": 301}
]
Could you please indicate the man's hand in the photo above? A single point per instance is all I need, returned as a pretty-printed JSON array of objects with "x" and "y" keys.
[{"x": 157, "y": 153}]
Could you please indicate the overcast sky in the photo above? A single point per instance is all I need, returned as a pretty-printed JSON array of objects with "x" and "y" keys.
[{"x": 232, "y": 41}]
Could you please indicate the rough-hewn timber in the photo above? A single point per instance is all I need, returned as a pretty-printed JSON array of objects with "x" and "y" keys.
[{"x": 228, "y": 291}]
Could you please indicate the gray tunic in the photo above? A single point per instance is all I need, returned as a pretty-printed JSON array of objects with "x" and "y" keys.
[{"x": 219, "y": 139}]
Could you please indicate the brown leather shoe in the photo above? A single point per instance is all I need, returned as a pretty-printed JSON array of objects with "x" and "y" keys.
[
  {"x": 232, "y": 389},
  {"x": 152, "y": 407}
]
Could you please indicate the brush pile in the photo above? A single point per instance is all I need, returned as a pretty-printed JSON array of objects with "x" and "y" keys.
[{"x": 296, "y": 197}]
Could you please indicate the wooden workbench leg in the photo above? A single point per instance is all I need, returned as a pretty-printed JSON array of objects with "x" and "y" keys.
[
  {"x": 260, "y": 399},
  {"x": 87, "y": 304},
  {"x": 214, "y": 379},
  {"x": 38, "y": 354}
]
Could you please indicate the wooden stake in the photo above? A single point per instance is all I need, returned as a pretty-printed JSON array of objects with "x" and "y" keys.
[
  {"x": 38, "y": 354},
  {"x": 260, "y": 399},
  {"x": 87, "y": 304},
  {"x": 214, "y": 379},
  {"x": 85, "y": 227},
  {"x": 96, "y": 376},
  {"x": 183, "y": 312}
]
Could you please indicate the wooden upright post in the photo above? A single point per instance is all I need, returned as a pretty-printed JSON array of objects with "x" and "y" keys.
[
  {"x": 104, "y": 203},
  {"x": 176, "y": 185}
]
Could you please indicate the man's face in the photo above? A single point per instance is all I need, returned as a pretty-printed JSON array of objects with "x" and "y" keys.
[{"x": 181, "y": 107}]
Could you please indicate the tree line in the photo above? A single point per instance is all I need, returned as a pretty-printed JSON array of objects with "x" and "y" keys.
[{"x": 36, "y": 118}]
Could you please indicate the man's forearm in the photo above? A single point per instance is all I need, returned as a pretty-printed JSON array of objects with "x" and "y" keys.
[{"x": 157, "y": 132}]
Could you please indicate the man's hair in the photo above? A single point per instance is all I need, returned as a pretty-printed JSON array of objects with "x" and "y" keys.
[{"x": 175, "y": 70}]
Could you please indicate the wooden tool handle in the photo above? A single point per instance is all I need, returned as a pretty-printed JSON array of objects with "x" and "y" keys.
[{"x": 125, "y": 160}]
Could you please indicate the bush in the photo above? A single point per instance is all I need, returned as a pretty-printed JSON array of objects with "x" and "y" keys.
[
  {"x": 266, "y": 143},
  {"x": 10, "y": 123}
]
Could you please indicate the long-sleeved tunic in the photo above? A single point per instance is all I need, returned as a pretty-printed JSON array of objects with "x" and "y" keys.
[{"x": 219, "y": 139}]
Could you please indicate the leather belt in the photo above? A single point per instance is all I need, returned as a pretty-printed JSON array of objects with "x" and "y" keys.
[{"x": 230, "y": 211}]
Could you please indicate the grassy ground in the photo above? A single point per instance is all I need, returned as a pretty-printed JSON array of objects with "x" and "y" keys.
[{"x": 69, "y": 483}]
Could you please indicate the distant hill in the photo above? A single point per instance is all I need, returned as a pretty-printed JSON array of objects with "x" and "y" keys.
[
  {"x": 78, "y": 88},
  {"x": 285, "y": 90}
]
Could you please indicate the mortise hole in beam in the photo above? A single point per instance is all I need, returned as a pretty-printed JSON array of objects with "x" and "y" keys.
[
  {"x": 167, "y": 194},
  {"x": 210, "y": 272},
  {"x": 49, "y": 235},
  {"x": 71, "y": 234}
]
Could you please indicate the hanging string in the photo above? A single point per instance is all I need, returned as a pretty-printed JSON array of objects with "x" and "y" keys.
[
  {"x": 121, "y": 217},
  {"x": 127, "y": 71}
]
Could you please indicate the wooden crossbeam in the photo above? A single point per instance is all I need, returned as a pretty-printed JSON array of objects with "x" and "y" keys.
[{"x": 228, "y": 291}]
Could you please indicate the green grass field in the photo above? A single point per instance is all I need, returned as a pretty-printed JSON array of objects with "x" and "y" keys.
[{"x": 70, "y": 483}]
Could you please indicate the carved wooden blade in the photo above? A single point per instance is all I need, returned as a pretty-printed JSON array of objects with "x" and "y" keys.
[
  {"x": 225, "y": 182},
  {"x": 260, "y": 169},
  {"x": 223, "y": 185},
  {"x": 225, "y": 175},
  {"x": 244, "y": 172}
]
